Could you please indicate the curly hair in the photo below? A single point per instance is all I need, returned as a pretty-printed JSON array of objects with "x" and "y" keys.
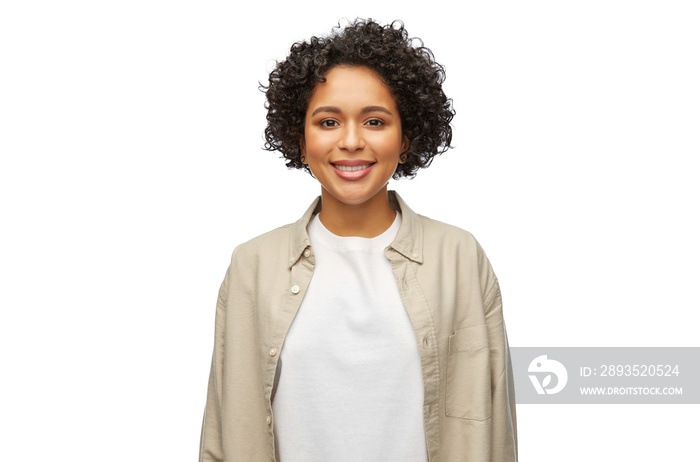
[{"x": 408, "y": 69}]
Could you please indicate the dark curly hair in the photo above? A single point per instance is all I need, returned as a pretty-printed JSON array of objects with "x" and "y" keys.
[{"x": 408, "y": 69}]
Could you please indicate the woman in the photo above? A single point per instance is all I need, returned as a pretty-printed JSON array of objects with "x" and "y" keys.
[{"x": 362, "y": 332}]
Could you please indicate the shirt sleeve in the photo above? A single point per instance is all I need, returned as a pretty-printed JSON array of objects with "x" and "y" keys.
[
  {"x": 210, "y": 447},
  {"x": 505, "y": 441}
]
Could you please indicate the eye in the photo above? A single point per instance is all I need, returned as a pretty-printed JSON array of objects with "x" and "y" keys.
[
  {"x": 329, "y": 123},
  {"x": 374, "y": 123}
]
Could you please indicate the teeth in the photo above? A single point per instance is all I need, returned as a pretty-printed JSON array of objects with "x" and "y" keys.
[{"x": 347, "y": 168}]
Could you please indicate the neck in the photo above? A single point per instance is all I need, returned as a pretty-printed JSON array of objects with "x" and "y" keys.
[{"x": 368, "y": 219}]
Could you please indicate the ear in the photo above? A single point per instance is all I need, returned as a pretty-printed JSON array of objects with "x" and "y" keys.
[
  {"x": 405, "y": 143},
  {"x": 302, "y": 148}
]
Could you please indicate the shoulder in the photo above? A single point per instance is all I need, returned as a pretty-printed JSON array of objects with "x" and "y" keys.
[
  {"x": 420, "y": 233},
  {"x": 450, "y": 246},
  {"x": 272, "y": 243},
  {"x": 447, "y": 235},
  {"x": 450, "y": 243},
  {"x": 444, "y": 229},
  {"x": 279, "y": 247}
]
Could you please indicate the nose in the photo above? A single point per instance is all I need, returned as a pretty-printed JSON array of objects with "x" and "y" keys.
[{"x": 351, "y": 138}]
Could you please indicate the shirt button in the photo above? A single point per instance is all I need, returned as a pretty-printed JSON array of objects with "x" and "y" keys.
[
  {"x": 268, "y": 420},
  {"x": 273, "y": 351},
  {"x": 295, "y": 289},
  {"x": 307, "y": 253}
]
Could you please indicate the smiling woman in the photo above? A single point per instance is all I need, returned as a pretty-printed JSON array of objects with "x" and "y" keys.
[
  {"x": 353, "y": 143},
  {"x": 404, "y": 65},
  {"x": 363, "y": 331}
]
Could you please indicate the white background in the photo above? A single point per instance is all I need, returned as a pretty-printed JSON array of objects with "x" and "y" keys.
[{"x": 131, "y": 134}]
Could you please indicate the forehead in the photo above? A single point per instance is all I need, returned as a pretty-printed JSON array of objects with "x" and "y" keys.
[{"x": 351, "y": 85}]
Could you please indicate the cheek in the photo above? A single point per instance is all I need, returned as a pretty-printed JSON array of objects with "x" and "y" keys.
[
  {"x": 388, "y": 146},
  {"x": 317, "y": 142}
]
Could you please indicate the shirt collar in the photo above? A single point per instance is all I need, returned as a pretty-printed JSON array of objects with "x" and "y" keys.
[{"x": 408, "y": 241}]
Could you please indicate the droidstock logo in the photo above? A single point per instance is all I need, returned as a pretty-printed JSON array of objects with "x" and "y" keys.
[{"x": 544, "y": 368}]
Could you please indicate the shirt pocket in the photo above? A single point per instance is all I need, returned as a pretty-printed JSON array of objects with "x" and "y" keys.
[{"x": 468, "y": 392}]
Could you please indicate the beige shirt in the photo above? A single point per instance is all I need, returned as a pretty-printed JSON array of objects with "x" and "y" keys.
[{"x": 454, "y": 303}]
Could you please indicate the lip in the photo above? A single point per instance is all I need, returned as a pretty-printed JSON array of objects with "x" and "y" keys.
[
  {"x": 352, "y": 162},
  {"x": 353, "y": 171}
]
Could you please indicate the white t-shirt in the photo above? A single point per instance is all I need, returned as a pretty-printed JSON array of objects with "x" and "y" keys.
[{"x": 350, "y": 383}]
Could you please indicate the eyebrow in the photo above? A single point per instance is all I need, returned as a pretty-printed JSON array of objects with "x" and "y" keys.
[{"x": 365, "y": 110}]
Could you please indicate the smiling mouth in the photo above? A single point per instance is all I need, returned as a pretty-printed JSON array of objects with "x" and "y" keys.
[{"x": 351, "y": 168}]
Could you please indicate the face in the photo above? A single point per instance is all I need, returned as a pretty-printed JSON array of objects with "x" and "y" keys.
[{"x": 353, "y": 139}]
